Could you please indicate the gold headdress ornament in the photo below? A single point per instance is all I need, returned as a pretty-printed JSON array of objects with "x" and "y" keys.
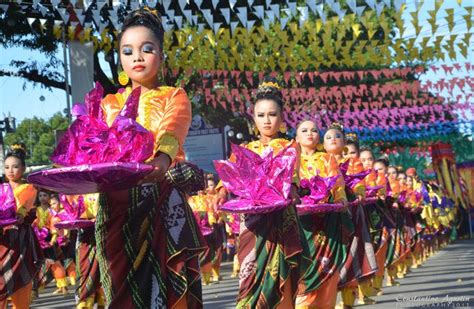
[
  {"x": 337, "y": 126},
  {"x": 17, "y": 147},
  {"x": 269, "y": 84},
  {"x": 154, "y": 12},
  {"x": 352, "y": 137}
]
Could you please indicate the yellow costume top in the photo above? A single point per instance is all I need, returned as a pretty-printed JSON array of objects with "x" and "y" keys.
[
  {"x": 324, "y": 165},
  {"x": 164, "y": 111},
  {"x": 25, "y": 196},
  {"x": 91, "y": 202}
]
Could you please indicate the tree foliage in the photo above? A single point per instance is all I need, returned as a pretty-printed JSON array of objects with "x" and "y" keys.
[{"x": 39, "y": 137}]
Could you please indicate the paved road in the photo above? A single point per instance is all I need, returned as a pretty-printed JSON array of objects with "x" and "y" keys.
[{"x": 446, "y": 280}]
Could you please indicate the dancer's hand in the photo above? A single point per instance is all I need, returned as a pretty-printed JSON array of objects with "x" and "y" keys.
[{"x": 161, "y": 163}]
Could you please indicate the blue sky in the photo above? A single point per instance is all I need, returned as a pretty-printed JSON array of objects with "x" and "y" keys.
[{"x": 26, "y": 103}]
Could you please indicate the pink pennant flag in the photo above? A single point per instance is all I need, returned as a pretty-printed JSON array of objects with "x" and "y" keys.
[
  {"x": 337, "y": 76},
  {"x": 324, "y": 76},
  {"x": 286, "y": 77},
  {"x": 249, "y": 76}
]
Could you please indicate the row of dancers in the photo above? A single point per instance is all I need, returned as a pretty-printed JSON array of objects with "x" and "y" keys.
[{"x": 394, "y": 227}]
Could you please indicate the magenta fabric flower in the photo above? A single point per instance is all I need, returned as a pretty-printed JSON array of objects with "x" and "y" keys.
[{"x": 261, "y": 183}]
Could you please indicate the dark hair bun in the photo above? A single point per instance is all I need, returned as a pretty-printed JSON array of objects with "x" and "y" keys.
[
  {"x": 270, "y": 89},
  {"x": 17, "y": 150},
  {"x": 147, "y": 18},
  {"x": 384, "y": 160}
]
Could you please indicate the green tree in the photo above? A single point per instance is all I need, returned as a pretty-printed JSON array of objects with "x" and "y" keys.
[{"x": 39, "y": 137}]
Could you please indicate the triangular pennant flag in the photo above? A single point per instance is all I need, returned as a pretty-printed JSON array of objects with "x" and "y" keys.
[
  {"x": 226, "y": 13},
  {"x": 276, "y": 10},
  {"x": 379, "y": 8},
  {"x": 198, "y": 3},
  {"x": 283, "y": 22},
  {"x": 201, "y": 27},
  {"x": 266, "y": 24},
  {"x": 360, "y": 10},
  {"x": 166, "y": 4},
  {"x": 312, "y": 5},
  {"x": 64, "y": 14},
  {"x": 292, "y": 7},
  {"x": 214, "y": 3},
  {"x": 179, "y": 21},
  {"x": 31, "y": 20},
  {"x": 170, "y": 14},
  {"x": 352, "y": 5},
  {"x": 233, "y": 26},
  {"x": 303, "y": 15},
  {"x": 216, "y": 27},
  {"x": 397, "y": 4},
  {"x": 259, "y": 11},
  {"x": 249, "y": 25},
  {"x": 242, "y": 15},
  {"x": 189, "y": 16},
  {"x": 208, "y": 17},
  {"x": 371, "y": 4},
  {"x": 232, "y": 3},
  {"x": 271, "y": 16},
  {"x": 182, "y": 4},
  {"x": 80, "y": 15}
]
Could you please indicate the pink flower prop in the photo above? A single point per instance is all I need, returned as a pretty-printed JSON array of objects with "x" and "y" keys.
[
  {"x": 42, "y": 235},
  {"x": 7, "y": 205},
  {"x": 262, "y": 183},
  {"x": 320, "y": 188},
  {"x": 71, "y": 215},
  {"x": 89, "y": 140},
  {"x": 98, "y": 158}
]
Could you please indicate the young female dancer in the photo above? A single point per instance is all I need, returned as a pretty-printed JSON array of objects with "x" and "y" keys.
[
  {"x": 271, "y": 249},
  {"x": 20, "y": 252},
  {"x": 323, "y": 232},
  {"x": 148, "y": 242}
]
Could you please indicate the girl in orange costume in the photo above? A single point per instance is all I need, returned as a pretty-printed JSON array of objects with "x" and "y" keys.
[
  {"x": 45, "y": 222},
  {"x": 66, "y": 242},
  {"x": 18, "y": 243},
  {"x": 356, "y": 271},
  {"x": 324, "y": 232},
  {"x": 147, "y": 239},
  {"x": 271, "y": 246}
]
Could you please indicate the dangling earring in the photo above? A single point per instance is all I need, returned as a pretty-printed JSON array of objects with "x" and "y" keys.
[
  {"x": 283, "y": 128},
  {"x": 123, "y": 78}
]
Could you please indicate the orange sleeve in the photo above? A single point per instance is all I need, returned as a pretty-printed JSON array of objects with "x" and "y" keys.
[
  {"x": 382, "y": 181},
  {"x": 174, "y": 125},
  {"x": 111, "y": 106},
  {"x": 332, "y": 169},
  {"x": 357, "y": 167},
  {"x": 25, "y": 196}
]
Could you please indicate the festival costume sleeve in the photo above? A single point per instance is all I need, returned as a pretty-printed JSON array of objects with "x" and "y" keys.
[
  {"x": 332, "y": 169},
  {"x": 165, "y": 112},
  {"x": 25, "y": 196},
  {"x": 356, "y": 167},
  {"x": 382, "y": 181}
]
